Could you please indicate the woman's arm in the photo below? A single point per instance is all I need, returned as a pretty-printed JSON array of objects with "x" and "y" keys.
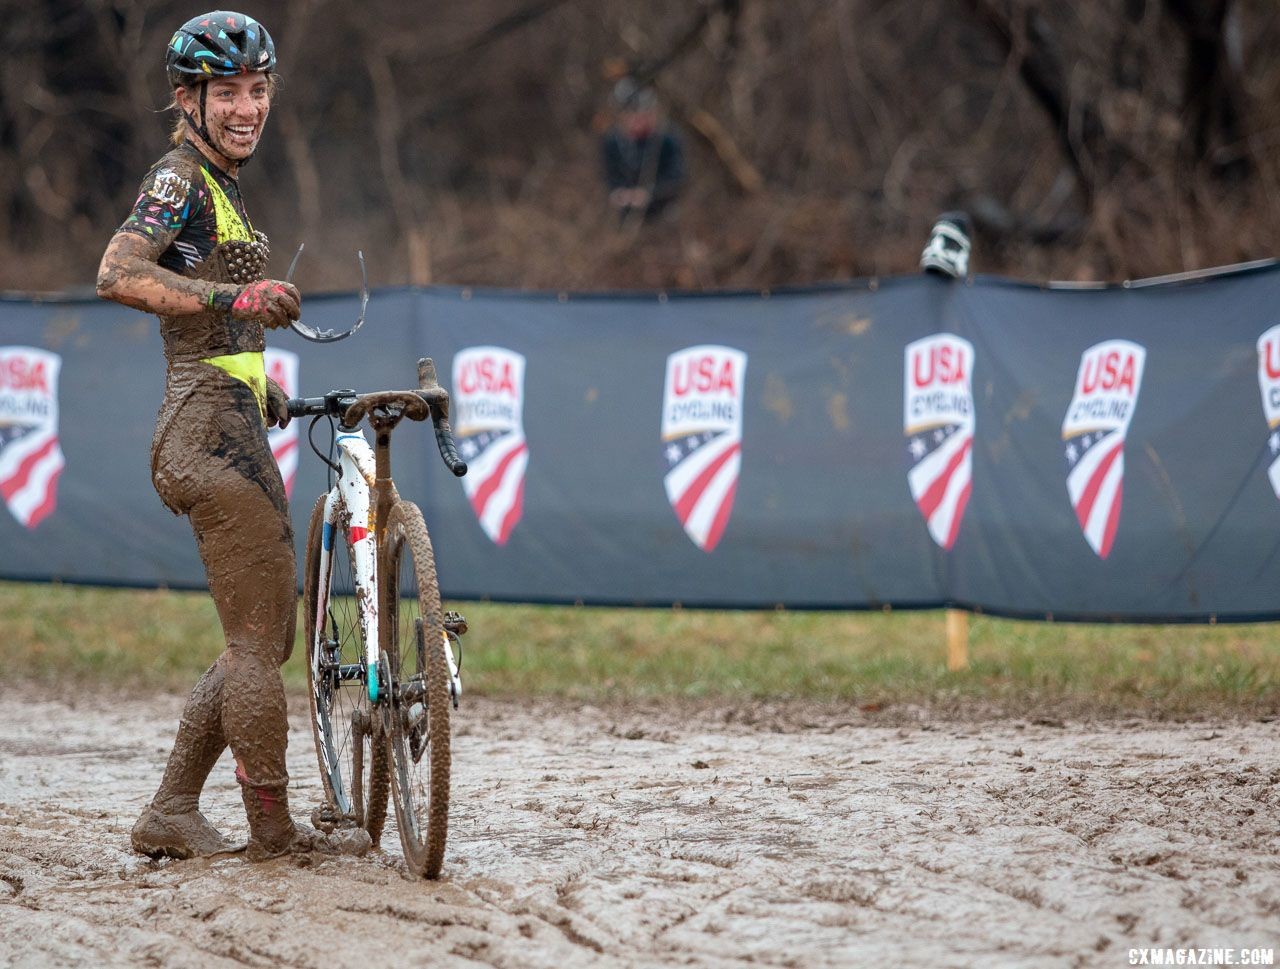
[{"x": 129, "y": 274}]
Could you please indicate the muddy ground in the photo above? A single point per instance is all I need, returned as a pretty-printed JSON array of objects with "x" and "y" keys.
[{"x": 587, "y": 836}]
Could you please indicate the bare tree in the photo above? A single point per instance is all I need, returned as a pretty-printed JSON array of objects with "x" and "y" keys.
[{"x": 1106, "y": 137}]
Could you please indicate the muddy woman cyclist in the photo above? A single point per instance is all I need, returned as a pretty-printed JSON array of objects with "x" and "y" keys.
[{"x": 189, "y": 254}]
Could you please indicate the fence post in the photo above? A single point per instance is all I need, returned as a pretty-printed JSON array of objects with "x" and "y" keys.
[{"x": 957, "y": 640}]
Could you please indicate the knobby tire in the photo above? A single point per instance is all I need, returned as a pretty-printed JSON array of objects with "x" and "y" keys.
[{"x": 421, "y": 784}]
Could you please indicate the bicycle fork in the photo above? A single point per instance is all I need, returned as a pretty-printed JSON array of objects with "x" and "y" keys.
[{"x": 351, "y": 499}]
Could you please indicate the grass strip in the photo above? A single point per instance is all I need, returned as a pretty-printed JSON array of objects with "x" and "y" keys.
[{"x": 164, "y": 640}]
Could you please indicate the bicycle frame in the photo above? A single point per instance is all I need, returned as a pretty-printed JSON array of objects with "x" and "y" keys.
[
  {"x": 361, "y": 469},
  {"x": 362, "y": 499},
  {"x": 350, "y": 498}
]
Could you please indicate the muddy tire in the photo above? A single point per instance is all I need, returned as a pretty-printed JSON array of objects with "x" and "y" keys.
[
  {"x": 417, "y": 714},
  {"x": 354, "y": 769}
]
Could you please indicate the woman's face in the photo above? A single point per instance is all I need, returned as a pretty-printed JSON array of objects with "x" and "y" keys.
[{"x": 236, "y": 111}]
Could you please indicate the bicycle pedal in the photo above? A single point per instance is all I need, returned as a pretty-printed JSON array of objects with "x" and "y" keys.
[
  {"x": 328, "y": 819},
  {"x": 455, "y": 623}
]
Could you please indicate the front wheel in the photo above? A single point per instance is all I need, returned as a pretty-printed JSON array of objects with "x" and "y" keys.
[
  {"x": 417, "y": 714},
  {"x": 349, "y": 747}
]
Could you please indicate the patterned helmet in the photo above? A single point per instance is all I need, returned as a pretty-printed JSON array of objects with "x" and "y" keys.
[
  {"x": 947, "y": 251},
  {"x": 218, "y": 44}
]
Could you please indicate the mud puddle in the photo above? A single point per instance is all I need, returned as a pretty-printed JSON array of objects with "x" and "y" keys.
[{"x": 586, "y": 836}]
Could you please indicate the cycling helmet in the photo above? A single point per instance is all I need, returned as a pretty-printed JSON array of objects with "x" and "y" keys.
[
  {"x": 218, "y": 44},
  {"x": 947, "y": 251}
]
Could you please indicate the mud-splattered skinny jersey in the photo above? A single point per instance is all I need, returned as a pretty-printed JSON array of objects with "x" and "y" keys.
[{"x": 178, "y": 204}]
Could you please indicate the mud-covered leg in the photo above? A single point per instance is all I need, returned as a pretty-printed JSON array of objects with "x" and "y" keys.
[
  {"x": 172, "y": 824},
  {"x": 247, "y": 545},
  {"x": 246, "y": 542}
]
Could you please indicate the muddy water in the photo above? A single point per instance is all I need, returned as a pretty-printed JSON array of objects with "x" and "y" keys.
[{"x": 600, "y": 836}]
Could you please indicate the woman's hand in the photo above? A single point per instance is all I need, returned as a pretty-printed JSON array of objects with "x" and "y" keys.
[
  {"x": 271, "y": 302},
  {"x": 277, "y": 405}
]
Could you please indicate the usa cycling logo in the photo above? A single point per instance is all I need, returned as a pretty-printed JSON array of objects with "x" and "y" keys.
[
  {"x": 938, "y": 421},
  {"x": 1093, "y": 434},
  {"x": 30, "y": 455},
  {"x": 488, "y": 416},
  {"x": 1269, "y": 383},
  {"x": 282, "y": 367},
  {"x": 702, "y": 438}
]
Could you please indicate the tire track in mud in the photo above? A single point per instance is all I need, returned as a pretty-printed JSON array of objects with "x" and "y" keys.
[{"x": 603, "y": 836}]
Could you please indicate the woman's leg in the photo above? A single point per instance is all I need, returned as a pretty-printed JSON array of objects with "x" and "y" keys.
[
  {"x": 173, "y": 825},
  {"x": 246, "y": 542},
  {"x": 214, "y": 464}
]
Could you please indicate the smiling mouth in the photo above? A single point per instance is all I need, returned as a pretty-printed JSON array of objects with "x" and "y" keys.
[{"x": 244, "y": 134}]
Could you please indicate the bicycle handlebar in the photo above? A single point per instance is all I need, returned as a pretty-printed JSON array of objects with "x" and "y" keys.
[
  {"x": 438, "y": 399},
  {"x": 429, "y": 400},
  {"x": 334, "y": 404}
]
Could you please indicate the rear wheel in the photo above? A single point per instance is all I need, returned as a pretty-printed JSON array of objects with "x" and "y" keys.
[
  {"x": 417, "y": 714},
  {"x": 349, "y": 737}
]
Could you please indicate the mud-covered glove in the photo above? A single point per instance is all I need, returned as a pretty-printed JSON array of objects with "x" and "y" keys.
[
  {"x": 269, "y": 301},
  {"x": 277, "y": 405}
]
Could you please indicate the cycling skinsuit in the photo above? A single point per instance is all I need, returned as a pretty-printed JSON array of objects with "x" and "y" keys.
[{"x": 210, "y": 461}]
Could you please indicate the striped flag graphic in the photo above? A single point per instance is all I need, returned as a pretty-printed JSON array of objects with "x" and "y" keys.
[
  {"x": 1269, "y": 384},
  {"x": 938, "y": 421},
  {"x": 282, "y": 367},
  {"x": 1093, "y": 432},
  {"x": 31, "y": 458},
  {"x": 702, "y": 438},
  {"x": 488, "y": 414}
]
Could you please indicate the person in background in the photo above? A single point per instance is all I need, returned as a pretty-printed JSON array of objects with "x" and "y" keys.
[{"x": 642, "y": 154}]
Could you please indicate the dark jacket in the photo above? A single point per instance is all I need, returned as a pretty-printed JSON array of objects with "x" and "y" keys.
[{"x": 655, "y": 162}]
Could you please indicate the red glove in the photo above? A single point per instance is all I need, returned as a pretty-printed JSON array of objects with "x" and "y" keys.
[{"x": 269, "y": 301}]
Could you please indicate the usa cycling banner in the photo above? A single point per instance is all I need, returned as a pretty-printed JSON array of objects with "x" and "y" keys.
[
  {"x": 1093, "y": 431},
  {"x": 938, "y": 422},
  {"x": 282, "y": 367},
  {"x": 1269, "y": 382},
  {"x": 487, "y": 406},
  {"x": 702, "y": 438},
  {"x": 1081, "y": 452},
  {"x": 30, "y": 457}
]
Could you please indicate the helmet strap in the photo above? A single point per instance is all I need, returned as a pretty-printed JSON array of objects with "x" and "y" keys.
[{"x": 200, "y": 128}]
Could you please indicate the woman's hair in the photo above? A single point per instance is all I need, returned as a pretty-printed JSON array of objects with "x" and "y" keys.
[{"x": 178, "y": 133}]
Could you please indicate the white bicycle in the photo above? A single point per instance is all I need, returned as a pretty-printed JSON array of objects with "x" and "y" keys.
[{"x": 380, "y": 649}]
